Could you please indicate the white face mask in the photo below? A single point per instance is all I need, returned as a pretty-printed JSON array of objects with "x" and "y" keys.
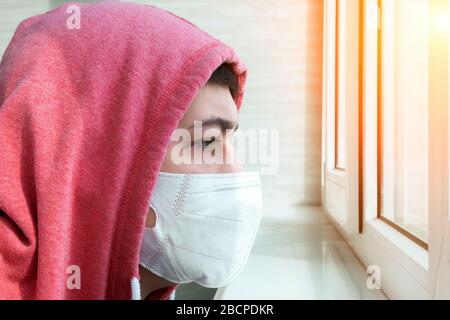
[{"x": 205, "y": 226}]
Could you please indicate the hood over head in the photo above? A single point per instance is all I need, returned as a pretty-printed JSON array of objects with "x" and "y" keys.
[{"x": 86, "y": 115}]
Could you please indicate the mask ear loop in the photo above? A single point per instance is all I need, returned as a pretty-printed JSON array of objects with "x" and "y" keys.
[
  {"x": 134, "y": 282},
  {"x": 161, "y": 247}
]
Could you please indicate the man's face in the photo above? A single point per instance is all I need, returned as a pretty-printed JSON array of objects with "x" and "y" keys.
[
  {"x": 210, "y": 137},
  {"x": 216, "y": 109}
]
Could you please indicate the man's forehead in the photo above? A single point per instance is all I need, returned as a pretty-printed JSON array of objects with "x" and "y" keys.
[{"x": 212, "y": 101}]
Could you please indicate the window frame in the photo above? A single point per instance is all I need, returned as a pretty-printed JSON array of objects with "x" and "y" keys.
[
  {"x": 380, "y": 145},
  {"x": 405, "y": 265},
  {"x": 337, "y": 88}
]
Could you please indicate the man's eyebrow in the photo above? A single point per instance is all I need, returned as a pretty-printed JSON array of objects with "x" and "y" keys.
[{"x": 222, "y": 123}]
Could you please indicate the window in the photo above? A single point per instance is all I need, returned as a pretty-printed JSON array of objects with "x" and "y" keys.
[
  {"x": 339, "y": 78},
  {"x": 403, "y": 117}
]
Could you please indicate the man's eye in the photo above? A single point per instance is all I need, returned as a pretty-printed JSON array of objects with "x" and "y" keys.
[{"x": 205, "y": 143}]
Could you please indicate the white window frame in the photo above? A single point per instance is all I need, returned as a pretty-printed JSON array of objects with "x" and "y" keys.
[
  {"x": 404, "y": 264},
  {"x": 340, "y": 185}
]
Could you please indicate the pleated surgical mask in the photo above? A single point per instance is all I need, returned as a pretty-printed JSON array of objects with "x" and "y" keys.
[{"x": 205, "y": 226}]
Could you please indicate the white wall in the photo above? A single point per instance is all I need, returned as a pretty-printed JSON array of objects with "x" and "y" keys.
[{"x": 13, "y": 12}]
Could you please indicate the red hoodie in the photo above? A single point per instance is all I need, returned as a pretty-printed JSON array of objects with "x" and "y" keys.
[{"x": 86, "y": 115}]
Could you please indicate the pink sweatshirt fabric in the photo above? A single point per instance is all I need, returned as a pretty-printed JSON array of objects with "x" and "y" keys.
[{"x": 85, "y": 119}]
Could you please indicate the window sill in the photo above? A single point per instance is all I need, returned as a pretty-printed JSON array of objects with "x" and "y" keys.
[
  {"x": 300, "y": 258},
  {"x": 409, "y": 254}
]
